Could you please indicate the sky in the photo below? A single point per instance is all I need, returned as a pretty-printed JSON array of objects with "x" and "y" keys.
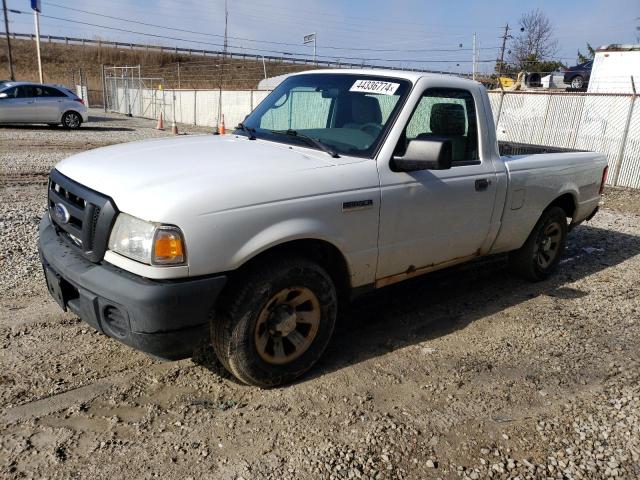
[{"x": 429, "y": 34}]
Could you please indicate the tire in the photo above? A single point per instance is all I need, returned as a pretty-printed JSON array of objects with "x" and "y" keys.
[
  {"x": 577, "y": 82},
  {"x": 541, "y": 253},
  {"x": 71, "y": 120},
  {"x": 273, "y": 304}
]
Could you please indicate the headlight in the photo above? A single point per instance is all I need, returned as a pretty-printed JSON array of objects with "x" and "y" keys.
[{"x": 147, "y": 242}]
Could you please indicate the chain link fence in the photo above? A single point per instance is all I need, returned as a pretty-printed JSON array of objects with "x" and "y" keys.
[{"x": 603, "y": 123}]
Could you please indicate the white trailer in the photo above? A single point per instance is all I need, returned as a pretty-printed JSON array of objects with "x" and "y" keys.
[{"x": 614, "y": 67}]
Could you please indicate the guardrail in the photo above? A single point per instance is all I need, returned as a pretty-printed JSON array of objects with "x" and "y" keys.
[{"x": 229, "y": 54}]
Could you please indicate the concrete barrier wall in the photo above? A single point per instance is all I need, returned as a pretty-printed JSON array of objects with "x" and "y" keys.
[{"x": 195, "y": 107}]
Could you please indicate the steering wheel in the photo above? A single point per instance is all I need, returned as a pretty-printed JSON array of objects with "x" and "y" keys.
[{"x": 371, "y": 128}]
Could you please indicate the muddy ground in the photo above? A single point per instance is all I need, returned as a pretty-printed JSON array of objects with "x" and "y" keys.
[{"x": 468, "y": 373}]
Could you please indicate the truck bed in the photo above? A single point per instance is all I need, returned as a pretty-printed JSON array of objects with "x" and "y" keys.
[{"x": 514, "y": 148}]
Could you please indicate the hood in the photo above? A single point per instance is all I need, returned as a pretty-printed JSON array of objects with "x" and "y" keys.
[{"x": 147, "y": 176}]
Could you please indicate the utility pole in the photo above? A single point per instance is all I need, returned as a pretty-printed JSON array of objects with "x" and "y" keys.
[
  {"x": 224, "y": 55},
  {"x": 226, "y": 21},
  {"x": 36, "y": 19},
  {"x": 6, "y": 32},
  {"x": 473, "y": 63},
  {"x": 504, "y": 46}
]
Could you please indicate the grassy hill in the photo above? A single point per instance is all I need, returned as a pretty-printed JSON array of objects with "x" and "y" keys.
[{"x": 63, "y": 63}]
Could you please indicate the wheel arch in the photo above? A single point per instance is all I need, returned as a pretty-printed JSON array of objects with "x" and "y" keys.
[
  {"x": 567, "y": 201},
  {"x": 323, "y": 252}
]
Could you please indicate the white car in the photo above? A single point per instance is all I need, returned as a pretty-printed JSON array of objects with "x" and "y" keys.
[
  {"x": 339, "y": 182},
  {"x": 24, "y": 102}
]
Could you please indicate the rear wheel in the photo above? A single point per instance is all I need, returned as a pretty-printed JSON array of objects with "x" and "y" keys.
[
  {"x": 275, "y": 322},
  {"x": 71, "y": 120},
  {"x": 577, "y": 82},
  {"x": 541, "y": 253}
]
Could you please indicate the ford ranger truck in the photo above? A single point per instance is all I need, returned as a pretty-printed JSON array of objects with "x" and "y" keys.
[{"x": 340, "y": 181}]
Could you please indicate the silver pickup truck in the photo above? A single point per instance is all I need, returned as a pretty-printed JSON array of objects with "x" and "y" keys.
[{"x": 339, "y": 182}]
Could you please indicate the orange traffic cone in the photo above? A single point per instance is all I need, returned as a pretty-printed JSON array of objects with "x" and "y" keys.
[
  {"x": 222, "y": 129},
  {"x": 174, "y": 128},
  {"x": 160, "y": 124}
]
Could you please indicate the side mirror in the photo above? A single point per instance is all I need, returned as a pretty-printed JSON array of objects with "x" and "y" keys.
[{"x": 432, "y": 154}]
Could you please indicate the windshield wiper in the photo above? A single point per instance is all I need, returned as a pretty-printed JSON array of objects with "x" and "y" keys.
[
  {"x": 313, "y": 141},
  {"x": 250, "y": 131}
]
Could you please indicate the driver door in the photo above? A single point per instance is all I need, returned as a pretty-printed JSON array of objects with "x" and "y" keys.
[
  {"x": 19, "y": 106},
  {"x": 430, "y": 218}
]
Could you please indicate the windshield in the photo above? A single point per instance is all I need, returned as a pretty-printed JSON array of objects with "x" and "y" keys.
[{"x": 347, "y": 113}]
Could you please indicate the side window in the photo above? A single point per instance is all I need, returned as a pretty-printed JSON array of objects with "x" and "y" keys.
[
  {"x": 445, "y": 113},
  {"x": 11, "y": 92},
  {"x": 25, "y": 91},
  {"x": 51, "y": 92}
]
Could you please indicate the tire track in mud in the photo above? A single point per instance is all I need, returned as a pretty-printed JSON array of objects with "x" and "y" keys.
[
  {"x": 83, "y": 394},
  {"x": 23, "y": 179}
]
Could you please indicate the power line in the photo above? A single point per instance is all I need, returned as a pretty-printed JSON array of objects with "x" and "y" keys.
[
  {"x": 330, "y": 47},
  {"x": 341, "y": 57}
]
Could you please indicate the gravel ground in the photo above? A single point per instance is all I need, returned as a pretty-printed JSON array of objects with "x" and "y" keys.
[{"x": 468, "y": 373}]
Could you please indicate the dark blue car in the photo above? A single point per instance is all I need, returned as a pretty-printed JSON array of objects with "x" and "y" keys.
[{"x": 578, "y": 77}]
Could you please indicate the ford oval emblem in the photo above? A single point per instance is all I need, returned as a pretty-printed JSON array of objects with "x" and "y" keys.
[{"x": 61, "y": 213}]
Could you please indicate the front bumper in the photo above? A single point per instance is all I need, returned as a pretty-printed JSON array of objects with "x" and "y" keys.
[{"x": 166, "y": 318}]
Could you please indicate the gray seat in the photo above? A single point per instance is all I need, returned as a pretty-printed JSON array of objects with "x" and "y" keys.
[
  {"x": 364, "y": 110},
  {"x": 448, "y": 120}
]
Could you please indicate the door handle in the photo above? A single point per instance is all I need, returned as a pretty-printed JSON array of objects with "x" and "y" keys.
[{"x": 482, "y": 184}]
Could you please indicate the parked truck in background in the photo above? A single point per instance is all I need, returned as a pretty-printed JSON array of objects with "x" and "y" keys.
[{"x": 339, "y": 182}]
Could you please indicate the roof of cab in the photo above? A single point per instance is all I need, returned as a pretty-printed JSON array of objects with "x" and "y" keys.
[{"x": 403, "y": 74}]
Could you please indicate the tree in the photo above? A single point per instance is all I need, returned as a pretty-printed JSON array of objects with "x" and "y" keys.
[
  {"x": 591, "y": 53},
  {"x": 535, "y": 43},
  {"x": 533, "y": 64}
]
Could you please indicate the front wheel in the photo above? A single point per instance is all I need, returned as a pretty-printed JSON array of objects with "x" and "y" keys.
[
  {"x": 275, "y": 322},
  {"x": 540, "y": 254},
  {"x": 71, "y": 120}
]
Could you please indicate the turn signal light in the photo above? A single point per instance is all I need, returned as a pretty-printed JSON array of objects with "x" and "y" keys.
[{"x": 168, "y": 247}]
